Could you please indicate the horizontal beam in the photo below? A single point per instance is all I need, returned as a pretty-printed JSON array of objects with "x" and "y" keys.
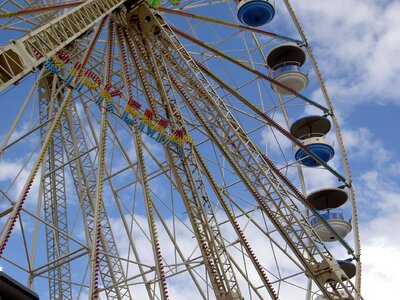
[{"x": 20, "y": 57}]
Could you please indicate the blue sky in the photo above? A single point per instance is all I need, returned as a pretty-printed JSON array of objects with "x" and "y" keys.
[{"x": 356, "y": 44}]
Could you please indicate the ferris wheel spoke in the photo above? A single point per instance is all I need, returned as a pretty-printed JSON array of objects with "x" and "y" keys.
[
  {"x": 39, "y": 12},
  {"x": 296, "y": 244},
  {"x": 221, "y": 54},
  {"x": 152, "y": 222},
  {"x": 226, "y": 23},
  {"x": 123, "y": 217},
  {"x": 83, "y": 172},
  {"x": 235, "y": 224},
  {"x": 98, "y": 203},
  {"x": 53, "y": 190},
  {"x": 184, "y": 178},
  {"x": 269, "y": 120},
  {"x": 178, "y": 249},
  {"x": 267, "y": 233},
  {"x": 149, "y": 203},
  {"x": 255, "y": 262},
  {"x": 120, "y": 206}
]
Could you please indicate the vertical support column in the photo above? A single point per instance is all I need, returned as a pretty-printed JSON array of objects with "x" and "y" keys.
[
  {"x": 98, "y": 206},
  {"x": 53, "y": 182}
]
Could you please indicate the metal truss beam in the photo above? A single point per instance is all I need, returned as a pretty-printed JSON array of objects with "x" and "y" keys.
[
  {"x": 83, "y": 172},
  {"x": 55, "y": 207},
  {"x": 23, "y": 56}
]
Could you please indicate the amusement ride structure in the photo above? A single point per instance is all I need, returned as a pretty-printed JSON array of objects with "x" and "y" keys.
[{"x": 169, "y": 151}]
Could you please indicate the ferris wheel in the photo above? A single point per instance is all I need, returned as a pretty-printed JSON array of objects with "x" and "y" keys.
[{"x": 169, "y": 151}]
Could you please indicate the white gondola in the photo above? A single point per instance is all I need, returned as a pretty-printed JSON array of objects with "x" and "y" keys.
[
  {"x": 336, "y": 219},
  {"x": 284, "y": 63}
]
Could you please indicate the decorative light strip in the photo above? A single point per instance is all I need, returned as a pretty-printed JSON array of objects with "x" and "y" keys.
[{"x": 142, "y": 120}]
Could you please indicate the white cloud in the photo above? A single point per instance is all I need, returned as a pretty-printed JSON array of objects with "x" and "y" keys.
[
  {"x": 274, "y": 141},
  {"x": 380, "y": 270},
  {"x": 15, "y": 172},
  {"x": 356, "y": 42},
  {"x": 363, "y": 145},
  {"x": 394, "y": 168},
  {"x": 380, "y": 243},
  {"x": 379, "y": 192},
  {"x": 379, "y": 212},
  {"x": 8, "y": 169}
]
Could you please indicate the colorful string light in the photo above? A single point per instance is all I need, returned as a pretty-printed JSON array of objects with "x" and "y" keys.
[
  {"x": 156, "y": 129},
  {"x": 175, "y": 2},
  {"x": 154, "y": 3}
]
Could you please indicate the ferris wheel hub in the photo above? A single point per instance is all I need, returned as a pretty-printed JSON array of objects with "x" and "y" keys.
[{"x": 255, "y": 13}]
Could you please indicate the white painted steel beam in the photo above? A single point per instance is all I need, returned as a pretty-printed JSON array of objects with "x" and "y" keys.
[{"x": 22, "y": 56}]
